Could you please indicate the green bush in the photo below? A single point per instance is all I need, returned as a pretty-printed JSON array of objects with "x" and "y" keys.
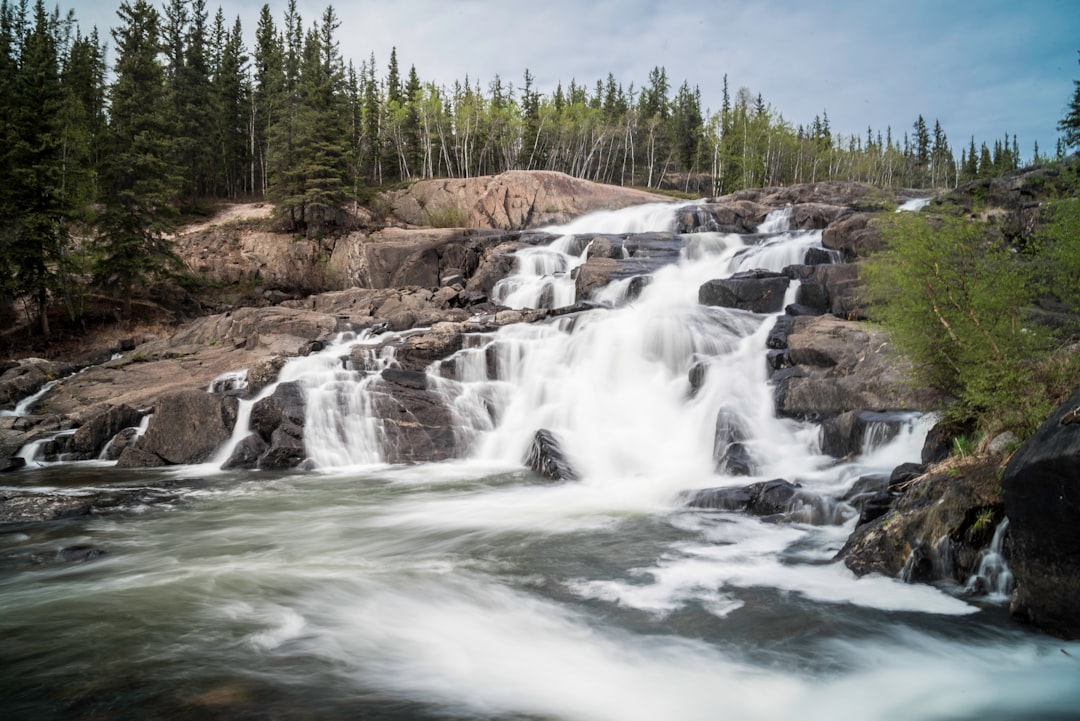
[
  {"x": 1059, "y": 245},
  {"x": 955, "y": 301}
]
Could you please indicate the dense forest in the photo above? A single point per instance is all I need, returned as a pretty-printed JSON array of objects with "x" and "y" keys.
[{"x": 185, "y": 114}]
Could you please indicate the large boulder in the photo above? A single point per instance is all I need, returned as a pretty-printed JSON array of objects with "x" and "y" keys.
[
  {"x": 855, "y": 236},
  {"x": 187, "y": 427},
  {"x": 513, "y": 200},
  {"x": 755, "y": 291},
  {"x": 840, "y": 366},
  {"x": 277, "y": 421},
  {"x": 1042, "y": 501},
  {"x": 415, "y": 424}
]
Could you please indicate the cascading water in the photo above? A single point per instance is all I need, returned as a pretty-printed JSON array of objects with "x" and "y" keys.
[{"x": 472, "y": 589}]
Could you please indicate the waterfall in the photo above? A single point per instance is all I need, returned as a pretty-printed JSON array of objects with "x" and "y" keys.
[
  {"x": 993, "y": 579},
  {"x": 612, "y": 383},
  {"x": 913, "y": 205}
]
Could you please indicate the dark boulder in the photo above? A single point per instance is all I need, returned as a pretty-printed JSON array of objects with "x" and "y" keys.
[
  {"x": 1042, "y": 501},
  {"x": 91, "y": 437},
  {"x": 767, "y": 498},
  {"x": 247, "y": 453},
  {"x": 754, "y": 291},
  {"x": 855, "y": 432},
  {"x": 135, "y": 457},
  {"x": 415, "y": 424},
  {"x": 188, "y": 426},
  {"x": 546, "y": 457},
  {"x": 126, "y": 438},
  {"x": 279, "y": 420}
]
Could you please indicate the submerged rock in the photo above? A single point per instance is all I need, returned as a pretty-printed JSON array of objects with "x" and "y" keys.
[{"x": 1042, "y": 501}]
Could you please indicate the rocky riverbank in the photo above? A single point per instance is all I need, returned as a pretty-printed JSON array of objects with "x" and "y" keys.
[{"x": 929, "y": 522}]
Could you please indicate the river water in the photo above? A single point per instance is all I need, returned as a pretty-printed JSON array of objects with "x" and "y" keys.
[{"x": 475, "y": 589}]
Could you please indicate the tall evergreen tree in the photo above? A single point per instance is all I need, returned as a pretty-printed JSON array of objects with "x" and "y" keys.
[
  {"x": 37, "y": 231},
  {"x": 139, "y": 179},
  {"x": 1069, "y": 125}
]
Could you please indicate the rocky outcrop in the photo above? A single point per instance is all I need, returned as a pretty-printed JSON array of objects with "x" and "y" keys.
[
  {"x": 1042, "y": 500},
  {"x": 21, "y": 379},
  {"x": 18, "y": 431},
  {"x": 514, "y": 200},
  {"x": 936, "y": 529},
  {"x": 839, "y": 366},
  {"x": 187, "y": 427},
  {"x": 546, "y": 457},
  {"x": 855, "y": 236}
]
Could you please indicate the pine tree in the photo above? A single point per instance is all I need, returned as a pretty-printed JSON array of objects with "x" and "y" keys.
[
  {"x": 231, "y": 94},
  {"x": 1069, "y": 125},
  {"x": 38, "y": 230},
  {"x": 268, "y": 94},
  {"x": 139, "y": 180}
]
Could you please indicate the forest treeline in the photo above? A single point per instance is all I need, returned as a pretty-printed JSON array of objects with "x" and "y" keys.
[{"x": 186, "y": 113}]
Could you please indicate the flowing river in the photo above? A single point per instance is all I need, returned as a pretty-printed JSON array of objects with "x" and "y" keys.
[{"x": 475, "y": 589}]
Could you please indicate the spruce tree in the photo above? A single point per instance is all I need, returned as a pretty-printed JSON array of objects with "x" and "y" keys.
[
  {"x": 1069, "y": 125},
  {"x": 37, "y": 231},
  {"x": 138, "y": 178}
]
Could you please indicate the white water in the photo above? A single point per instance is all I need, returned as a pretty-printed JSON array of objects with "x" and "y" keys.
[{"x": 914, "y": 205}]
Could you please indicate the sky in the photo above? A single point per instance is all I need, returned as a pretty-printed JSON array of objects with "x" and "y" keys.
[{"x": 983, "y": 68}]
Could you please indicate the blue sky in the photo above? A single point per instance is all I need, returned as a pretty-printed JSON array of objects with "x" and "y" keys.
[{"x": 983, "y": 68}]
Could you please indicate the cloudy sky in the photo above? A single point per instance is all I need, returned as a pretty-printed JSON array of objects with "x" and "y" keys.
[{"x": 982, "y": 67}]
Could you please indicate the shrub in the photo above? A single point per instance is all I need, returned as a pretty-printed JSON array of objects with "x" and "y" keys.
[{"x": 955, "y": 301}]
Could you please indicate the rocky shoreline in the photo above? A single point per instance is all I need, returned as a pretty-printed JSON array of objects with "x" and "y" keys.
[{"x": 929, "y": 523}]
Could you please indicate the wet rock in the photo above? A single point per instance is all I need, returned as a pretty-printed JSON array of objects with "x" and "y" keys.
[
  {"x": 279, "y": 420},
  {"x": 79, "y": 554},
  {"x": 188, "y": 426},
  {"x": 937, "y": 526},
  {"x": 247, "y": 453},
  {"x": 91, "y": 437},
  {"x": 126, "y": 438},
  {"x": 756, "y": 291},
  {"x": 407, "y": 378},
  {"x": 414, "y": 424},
  {"x": 767, "y": 498},
  {"x": 135, "y": 457},
  {"x": 729, "y": 449},
  {"x": 546, "y": 457},
  {"x": 41, "y": 507},
  {"x": 854, "y": 432},
  {"x": 1042, "y": 500}
]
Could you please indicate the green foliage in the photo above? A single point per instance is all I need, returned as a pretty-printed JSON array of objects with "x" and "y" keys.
[
  {"x": 955, "y": 302},
  {"x": 139, "y": 177},
  {"x": 1059, "y": 241},
  {"x": 1069, "y": 124}
]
